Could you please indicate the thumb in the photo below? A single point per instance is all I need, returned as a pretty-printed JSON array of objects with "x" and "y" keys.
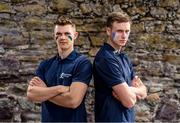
[
  {"x": 39, "y": 79},
  {"x": 136, "y": 77}
]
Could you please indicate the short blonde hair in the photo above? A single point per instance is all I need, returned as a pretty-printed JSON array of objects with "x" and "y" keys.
[{"x": 62, "y": 20}]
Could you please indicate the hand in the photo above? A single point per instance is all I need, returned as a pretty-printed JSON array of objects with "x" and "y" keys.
[
  {"x": 140, "y": 97},
  {"x": 115, "y": 95},
  {"x": 36, "y": 81},
  {"x": 136, "y": 82}
]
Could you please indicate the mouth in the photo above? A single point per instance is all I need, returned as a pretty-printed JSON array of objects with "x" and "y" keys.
[
  {"x": 62, "y": 41},
  {"x": 122, "y": 40}
]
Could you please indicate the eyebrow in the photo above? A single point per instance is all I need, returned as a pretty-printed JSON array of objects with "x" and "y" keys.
[
  {"x": 123, "y": 30},
  {"x": 63, "y": 33}
]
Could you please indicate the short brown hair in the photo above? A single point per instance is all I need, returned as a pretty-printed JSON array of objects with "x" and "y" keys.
[
  {"x": 62, "y": 20},
  {"x": 117, "y": 17}
]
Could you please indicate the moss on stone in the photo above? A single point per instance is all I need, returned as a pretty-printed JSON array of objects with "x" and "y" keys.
[
  {"x": 136, "y": 28},
  {"x": 4, "y": 7},
  {"x": 18, "y": 1},
  {"x": 62, "y": 6},
  {"x": 80, "y": 41},
  {"x": 171, "y": 58},
  {"x": 97, "y": 40},
  {"x": 37, "y": 23}
]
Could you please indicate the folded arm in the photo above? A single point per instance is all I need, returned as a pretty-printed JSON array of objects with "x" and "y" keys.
[
  {"x": 139, "y": 88},
  {"x": 124, "y": 94},
  {"x": 38, "y": 92},
  {"x": 73, "y": 98},
  {"x": 127, "y": 95},
  {"x": 66, "y": 96}
]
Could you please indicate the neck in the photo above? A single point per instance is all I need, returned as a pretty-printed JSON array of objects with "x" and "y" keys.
[
  {"x": 64, "y": 53},
  {"x": 116, "y": 47}
]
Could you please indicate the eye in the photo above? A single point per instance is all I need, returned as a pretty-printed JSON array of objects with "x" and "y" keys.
[
  {"x": 127, "y": 31},
  {"x": 120, "y": 31},
  {"x": 67, "y": 33},
  {"x": 59, "y": 34}
]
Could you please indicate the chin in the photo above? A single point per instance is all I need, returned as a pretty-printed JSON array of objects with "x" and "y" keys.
[
  {"x": 64, "y": 48},
  {"x": 122, "y": 45}
]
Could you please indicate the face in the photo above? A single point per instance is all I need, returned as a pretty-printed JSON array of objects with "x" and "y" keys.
[
  {"x": 65, "y": 36},
  {"x": 119, "y": 33}
]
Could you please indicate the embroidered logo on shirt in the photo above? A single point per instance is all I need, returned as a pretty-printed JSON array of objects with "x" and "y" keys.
[{"x": 64, "y": 75}]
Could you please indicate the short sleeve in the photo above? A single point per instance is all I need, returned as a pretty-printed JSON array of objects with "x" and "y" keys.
[
  {"x": 110, "y": 71},
  {"x": 83, "y": 71},
  {"x": 40, "y": 71}
]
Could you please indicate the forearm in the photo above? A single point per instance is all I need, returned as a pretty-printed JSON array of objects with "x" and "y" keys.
[
  {"x": 40, "y": 94},
  {"x": 127, "y": 103},
  {"x": 65, "y": 100},
  {"x": 73, "y": 98},
  {"x": 139, "y": 88},
  {"x": 132, "y": 97},
  {"x": 125, "y": 95}
]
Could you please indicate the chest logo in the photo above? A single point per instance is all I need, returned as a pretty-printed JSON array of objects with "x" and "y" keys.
[{"x": 64, "y": 75}]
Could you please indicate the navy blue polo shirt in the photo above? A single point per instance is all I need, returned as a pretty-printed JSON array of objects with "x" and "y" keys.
[
  {"x": 57, "y": 71},
  {"x": 110, "y": 69}
]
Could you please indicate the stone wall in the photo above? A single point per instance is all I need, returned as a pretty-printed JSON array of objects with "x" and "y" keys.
[{"x": 26, "y": 28}]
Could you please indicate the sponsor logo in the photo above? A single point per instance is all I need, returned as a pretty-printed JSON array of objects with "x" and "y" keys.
[{"x": 64, "y": 75}]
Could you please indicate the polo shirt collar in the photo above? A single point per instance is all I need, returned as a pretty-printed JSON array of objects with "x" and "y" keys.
[
  {"x": 72, "y": 56},
  {"x": 110, "y": 48}
]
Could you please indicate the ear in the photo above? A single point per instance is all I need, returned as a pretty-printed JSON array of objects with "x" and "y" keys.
[
  {"x": 75, "y": 35},
  {"x": 108, "y": 31},
  {"x": 55, "y": 37},
  {"x": 54, "y": 33}
]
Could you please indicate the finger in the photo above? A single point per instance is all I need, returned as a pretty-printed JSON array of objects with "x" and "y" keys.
[
  {"x": 136, "y": 84},
  {"x": 136, "y": 77},
  {"x": 133, "y": 84},
  {"x": 38, "y": 82},
  {"x": 114, "y": 94},
  {"x": 35, "y": 78},
  {"x": 35, "y": 81},
  {"x": 140, "y": 82},
  {"x": 139, "y": 97},
  {"x": 30, "y": 83},
  {"x": 39, "y": 79}
]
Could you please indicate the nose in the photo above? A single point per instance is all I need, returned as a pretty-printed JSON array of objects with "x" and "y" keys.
[
  {"x": 63, "y": 36},
  {"x": 124, "y": 34}
]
